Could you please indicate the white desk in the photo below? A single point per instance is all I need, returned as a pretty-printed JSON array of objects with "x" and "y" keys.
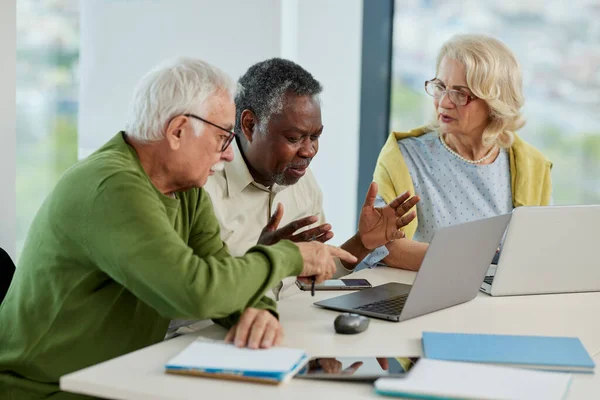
[{"x": 140, "y": 375}]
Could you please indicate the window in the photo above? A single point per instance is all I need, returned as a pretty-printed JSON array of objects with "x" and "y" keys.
[
  {"x": 558, "y": 46},
  {"x": 47, "y": 91}
]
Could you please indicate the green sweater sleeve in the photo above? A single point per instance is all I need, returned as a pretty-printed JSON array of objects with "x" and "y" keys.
[
  {"x": 199, "y": 234},
  {"x": 130, "y": 235}
]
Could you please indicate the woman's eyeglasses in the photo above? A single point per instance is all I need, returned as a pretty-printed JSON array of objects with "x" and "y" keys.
[{"x": 437, "y": 91}]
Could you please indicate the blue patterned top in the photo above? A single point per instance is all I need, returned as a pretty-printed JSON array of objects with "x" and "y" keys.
[{"x": 453, "y": 191}]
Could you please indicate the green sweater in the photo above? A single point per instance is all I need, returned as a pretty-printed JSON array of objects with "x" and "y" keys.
[{"x": 108, "y": 261}]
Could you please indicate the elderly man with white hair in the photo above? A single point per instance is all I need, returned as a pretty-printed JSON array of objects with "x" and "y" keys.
[{"x": 128, "y": 240}]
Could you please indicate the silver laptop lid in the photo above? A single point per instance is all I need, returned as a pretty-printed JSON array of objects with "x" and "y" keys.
[
  {"x": 451, "y": 273},
  {"x": 455, "y": 265},
  {"x": 551, "y": 249}
]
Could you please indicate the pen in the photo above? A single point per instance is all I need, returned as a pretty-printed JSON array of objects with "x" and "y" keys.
[{"x": 312, "y": 285}]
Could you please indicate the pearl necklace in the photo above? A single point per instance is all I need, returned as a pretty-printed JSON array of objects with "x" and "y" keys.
[{"x": 488, "y": 155}]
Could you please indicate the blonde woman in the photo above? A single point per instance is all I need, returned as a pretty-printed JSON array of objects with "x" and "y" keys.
[{"x": 469, "y": 163}]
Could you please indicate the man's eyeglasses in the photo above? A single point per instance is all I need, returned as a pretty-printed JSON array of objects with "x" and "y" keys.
[
  {"x": 438, "y": 91},
  {"x": 230, "y": 134}
]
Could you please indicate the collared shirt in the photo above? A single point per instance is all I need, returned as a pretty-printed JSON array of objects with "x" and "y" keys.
[{"x": 243, "y": 208}]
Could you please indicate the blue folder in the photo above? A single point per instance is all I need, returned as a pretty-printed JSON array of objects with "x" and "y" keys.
[{"x": 540, "y": 352}]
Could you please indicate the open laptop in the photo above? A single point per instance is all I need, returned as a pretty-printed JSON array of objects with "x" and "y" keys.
[
  {"x": 548, "y": 250},
  {"x": 451, "y": 273}
]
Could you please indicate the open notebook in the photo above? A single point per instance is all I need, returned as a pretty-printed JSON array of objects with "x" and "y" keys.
[{"x": 225, "y": 361}]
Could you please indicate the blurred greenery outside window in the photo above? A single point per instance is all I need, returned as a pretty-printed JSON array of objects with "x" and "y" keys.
[
  {"x": 47, "y": 100},
  {"x": 558, "y": 46}
]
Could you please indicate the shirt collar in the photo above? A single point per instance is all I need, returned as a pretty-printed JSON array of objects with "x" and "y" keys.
[{"x": 238, "y": 175}]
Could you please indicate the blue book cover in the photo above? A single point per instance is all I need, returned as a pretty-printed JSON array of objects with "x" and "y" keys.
[
  {"x": 259, "y": 375},
  {"x": 541, "y": 352}
]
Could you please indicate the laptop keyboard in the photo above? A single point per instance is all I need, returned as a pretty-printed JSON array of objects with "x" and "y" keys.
[
  {"x": 391, "y": 306},
  {"x": 488, "y": 280}
]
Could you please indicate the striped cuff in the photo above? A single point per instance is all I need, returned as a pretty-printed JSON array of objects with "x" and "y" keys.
[{"x": 376, "y": 255}]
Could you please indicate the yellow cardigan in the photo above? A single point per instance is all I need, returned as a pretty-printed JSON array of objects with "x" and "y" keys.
[{"x": 529, "y": 172}]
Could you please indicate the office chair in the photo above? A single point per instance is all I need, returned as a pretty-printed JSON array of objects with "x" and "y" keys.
[{"x": 7, "y": 270}]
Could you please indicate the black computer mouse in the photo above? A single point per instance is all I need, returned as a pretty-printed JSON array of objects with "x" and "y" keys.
[{"x": 348, "y": 323}]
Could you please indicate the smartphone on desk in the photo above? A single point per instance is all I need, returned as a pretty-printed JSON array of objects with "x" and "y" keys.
[
  {"x": 357, "y": 368},
  {"x": 337, "y": 284}
]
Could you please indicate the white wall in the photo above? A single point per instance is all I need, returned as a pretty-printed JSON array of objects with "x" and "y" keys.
[
  {"x": 8, "y": 48},
  {"x": 330, "y": 47},
  {"x": 121, "y": 40}
]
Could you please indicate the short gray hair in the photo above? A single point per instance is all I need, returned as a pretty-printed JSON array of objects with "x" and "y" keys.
[
  {"x": 263, "y": 87},
  {"x": 494, "y": 75},
  {"x": 170, "y": 89}
]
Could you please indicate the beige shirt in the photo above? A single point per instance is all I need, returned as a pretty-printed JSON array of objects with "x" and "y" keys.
[{"x": 243, "y": 208}]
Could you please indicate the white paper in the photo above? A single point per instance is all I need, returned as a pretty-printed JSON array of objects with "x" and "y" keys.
[{"x": 436, "y": 378}]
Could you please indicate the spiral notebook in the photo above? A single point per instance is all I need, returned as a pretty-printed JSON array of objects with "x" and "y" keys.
[{"x": 225, "y": 361}]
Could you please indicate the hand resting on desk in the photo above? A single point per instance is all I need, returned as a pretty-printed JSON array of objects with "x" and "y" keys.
[{"x": 256, "y": 329}]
